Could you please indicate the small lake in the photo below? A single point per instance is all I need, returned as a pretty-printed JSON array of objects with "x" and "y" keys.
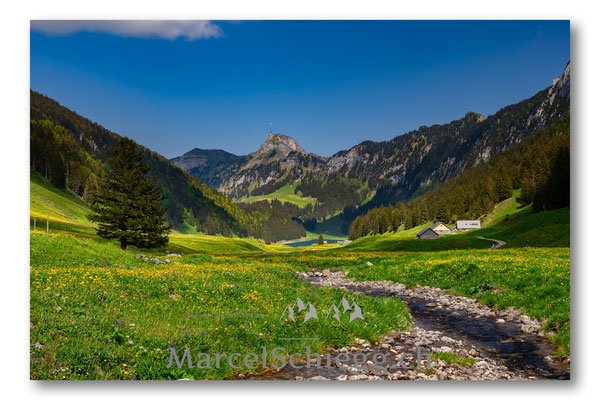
[{"x": 310, "y": 242}]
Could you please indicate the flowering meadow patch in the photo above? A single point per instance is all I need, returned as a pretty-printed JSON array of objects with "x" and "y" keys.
[{"x": 99, "y": 313}]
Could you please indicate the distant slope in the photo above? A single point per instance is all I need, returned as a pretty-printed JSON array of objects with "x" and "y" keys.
[{"x": 210, "y": 166}]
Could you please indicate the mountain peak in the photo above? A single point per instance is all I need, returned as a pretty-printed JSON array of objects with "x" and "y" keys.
[{"x": 282, "y": 144}]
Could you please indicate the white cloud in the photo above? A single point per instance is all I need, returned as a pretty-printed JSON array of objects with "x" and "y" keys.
[{"x": 171, "y": 30}]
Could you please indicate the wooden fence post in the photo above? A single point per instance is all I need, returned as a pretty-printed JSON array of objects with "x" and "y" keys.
[{"x": 47, "y": 225}]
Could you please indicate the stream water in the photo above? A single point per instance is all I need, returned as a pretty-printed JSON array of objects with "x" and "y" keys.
[
  {"x": 519, "y": 351},
  {"x": 522, "y": 353}
]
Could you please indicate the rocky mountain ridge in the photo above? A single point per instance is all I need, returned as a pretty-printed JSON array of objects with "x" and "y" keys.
[
  {"x": 238, "y": 176},
  {"x": 397, "y": 169}
]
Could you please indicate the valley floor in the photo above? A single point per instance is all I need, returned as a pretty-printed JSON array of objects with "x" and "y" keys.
[
  {"x": 98, "y": 312},
  {"x": 101, "y": 313}
]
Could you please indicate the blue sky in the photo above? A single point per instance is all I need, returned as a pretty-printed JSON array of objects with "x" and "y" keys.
[{"x": 173, "y": 86}]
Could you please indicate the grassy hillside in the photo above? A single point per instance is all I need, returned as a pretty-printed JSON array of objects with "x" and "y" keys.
[
  {"x": 59, "y": 204},
  {"x": 283, "y": 194},
  {"x": 526, "y": 229},
  {"x": 504, "y": 208},
  {"x": 68, "y": 212}
]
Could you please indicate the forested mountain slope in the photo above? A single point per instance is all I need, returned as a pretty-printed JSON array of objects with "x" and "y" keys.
[
  {"x": 539, "y": 166},
  {"x": 70, "y": 151}
]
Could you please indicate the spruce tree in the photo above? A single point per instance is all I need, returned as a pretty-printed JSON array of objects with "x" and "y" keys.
[
  {"x": 321, "y": 241},
  {"x": 127, "y": 205}
]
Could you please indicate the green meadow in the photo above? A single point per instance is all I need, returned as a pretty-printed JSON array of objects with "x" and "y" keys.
[
  {"x": 98, "y": 312},
  {"x": 284, "y": 194}
]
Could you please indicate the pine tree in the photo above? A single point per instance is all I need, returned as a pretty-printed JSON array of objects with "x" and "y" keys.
[
  {"x": 127, "y": 204},
  {"x": 504, "y": 186},
  {"x": 321, "y": 241}
]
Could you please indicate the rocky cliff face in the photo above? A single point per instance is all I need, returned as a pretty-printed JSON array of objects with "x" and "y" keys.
[
  {"x": 556, "y": 101},
  {"x": 430, "y": 155},
  {"x": 280, "y": 145}
]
